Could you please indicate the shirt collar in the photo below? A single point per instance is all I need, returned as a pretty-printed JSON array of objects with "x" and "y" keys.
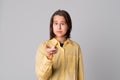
[{"x": 55, "y": 42}]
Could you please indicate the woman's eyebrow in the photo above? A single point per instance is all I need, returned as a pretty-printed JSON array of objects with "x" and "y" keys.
[
  {"x": 60, "y": 21},
  {"x": 55, "y": 21}
]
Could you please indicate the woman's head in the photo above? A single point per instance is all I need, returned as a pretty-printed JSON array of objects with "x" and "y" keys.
[{"x": 60, "y": 21}]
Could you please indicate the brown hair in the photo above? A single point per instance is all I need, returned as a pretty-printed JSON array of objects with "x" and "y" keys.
[{"x": 67, "y": 17}]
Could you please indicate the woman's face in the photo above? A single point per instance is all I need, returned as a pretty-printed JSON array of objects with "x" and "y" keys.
[{"x": 59, "y": 26}]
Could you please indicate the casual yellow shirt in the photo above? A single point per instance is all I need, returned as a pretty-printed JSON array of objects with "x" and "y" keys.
[{"x": 66, "y": 64}]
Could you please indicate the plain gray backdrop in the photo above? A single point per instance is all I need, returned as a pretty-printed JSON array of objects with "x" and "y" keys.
[{"x": 25, "y": 23}]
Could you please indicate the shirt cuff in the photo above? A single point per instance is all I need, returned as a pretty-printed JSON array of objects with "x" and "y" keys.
[{"x": 46, "y": 61}]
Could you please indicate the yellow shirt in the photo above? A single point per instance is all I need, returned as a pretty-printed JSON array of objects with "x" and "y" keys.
[{"x": 65, "y": 65}]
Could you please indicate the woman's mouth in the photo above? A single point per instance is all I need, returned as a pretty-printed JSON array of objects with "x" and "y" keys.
[{"x": 59, "y": 31}]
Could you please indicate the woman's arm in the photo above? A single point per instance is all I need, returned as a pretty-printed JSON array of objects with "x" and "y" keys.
[
  {"x": 43, "y": 66},
  {"x": 81, "y": 70}
]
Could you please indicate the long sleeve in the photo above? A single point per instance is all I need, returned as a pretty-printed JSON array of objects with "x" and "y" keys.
[
  {"x": 81, "y": 70},
  {"x": 43, "y": 66},
  {"x": 66, "y": 64}
]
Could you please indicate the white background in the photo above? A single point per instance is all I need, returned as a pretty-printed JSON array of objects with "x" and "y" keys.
[{"x": 25, "y": 23}]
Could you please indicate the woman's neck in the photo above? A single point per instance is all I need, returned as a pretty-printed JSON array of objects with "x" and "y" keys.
[{"x": 61, "y": 39}]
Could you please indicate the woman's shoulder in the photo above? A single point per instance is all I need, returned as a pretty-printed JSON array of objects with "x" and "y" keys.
[{"x": 75, "y": 43}]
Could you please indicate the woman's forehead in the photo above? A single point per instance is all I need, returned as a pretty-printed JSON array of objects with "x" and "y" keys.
[{"x": 59, "y": 18}]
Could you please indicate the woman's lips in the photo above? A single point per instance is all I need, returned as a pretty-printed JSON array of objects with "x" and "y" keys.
[{"x": 59, "y": 31}]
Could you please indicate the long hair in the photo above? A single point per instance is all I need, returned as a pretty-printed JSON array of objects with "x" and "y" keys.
[{"x": 67, "y": 17}]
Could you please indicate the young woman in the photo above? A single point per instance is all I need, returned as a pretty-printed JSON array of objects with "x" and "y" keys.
[{"x": 59, "y": 58}]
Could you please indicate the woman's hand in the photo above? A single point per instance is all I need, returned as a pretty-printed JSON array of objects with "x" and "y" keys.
[{"x": 50, "y": 51}]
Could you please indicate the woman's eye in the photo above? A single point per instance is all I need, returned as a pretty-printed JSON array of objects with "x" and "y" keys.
[
  {"x": 62, "y": 23},
  {"x": 55, "y": 23}
]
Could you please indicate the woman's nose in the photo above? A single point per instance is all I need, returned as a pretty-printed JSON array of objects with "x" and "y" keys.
[{"x": 59, "y": 26}]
